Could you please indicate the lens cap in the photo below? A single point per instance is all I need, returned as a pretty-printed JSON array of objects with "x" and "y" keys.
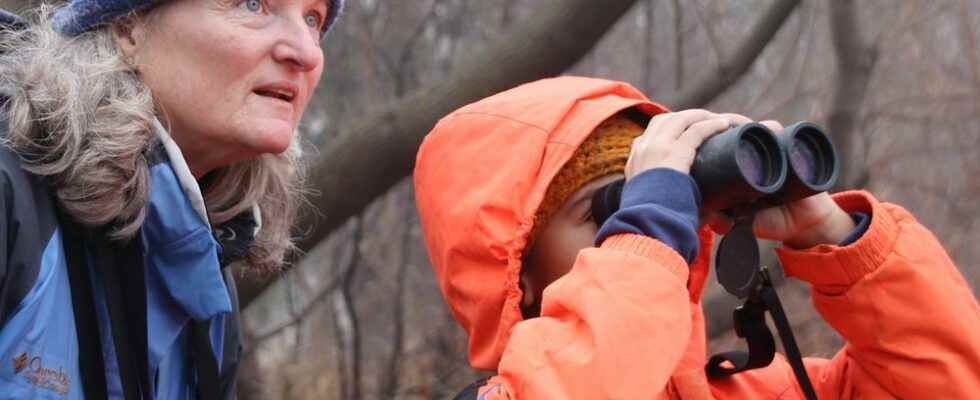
[{"x": 737, "y": 260}]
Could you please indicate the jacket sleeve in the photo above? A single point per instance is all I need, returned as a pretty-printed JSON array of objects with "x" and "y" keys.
[
  {"x": 614, "y": 327},
  {"x": 910, "y": 320}
]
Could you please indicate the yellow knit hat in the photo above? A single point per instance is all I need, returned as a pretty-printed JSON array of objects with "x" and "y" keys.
[{"x": 604, "y": 152}]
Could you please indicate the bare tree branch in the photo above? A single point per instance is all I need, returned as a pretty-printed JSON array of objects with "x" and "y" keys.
[
  {"x": 506, "y": 13},
  {"x": 405, "y": 56},
  {"x": 911, "y": 18},
  {"x": 855, "y": 61},
  {"x": 960, "y": 212},
  {"x": 782, "y": 74},
  {"x": 970, "y": 47},
  {"x": 295, "y": 318},
  {"x": 294, "y": 314},
  {"x": 372, "y": 47},
  {"x": 713, "y": 40},
  {"x": 345, "y": 321},
  {"x": 648, "y": 53},
  {"x": 368, "y": 159},
  {"x": 250, "y": 384},
  {"x": 712, "y": 83},
  {"x": 456, "y": 27},
  {"x": 897, "y": 116},
  {"x": 802, "y": 76},
  {"x": 390, "y": 381},
  {"x": 678, "y": 45}
]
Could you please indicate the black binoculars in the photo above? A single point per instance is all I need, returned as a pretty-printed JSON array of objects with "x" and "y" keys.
[{"x": 749, "y": 167}]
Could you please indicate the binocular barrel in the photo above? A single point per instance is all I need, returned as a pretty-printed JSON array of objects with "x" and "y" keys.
[
  {"x": 750, "y": 164},
  {"x": 813, "y": 163},
  {"x": 738, "y": 166}
]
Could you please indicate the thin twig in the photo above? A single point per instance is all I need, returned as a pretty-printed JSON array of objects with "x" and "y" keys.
[{"x": 710, "y": 84}]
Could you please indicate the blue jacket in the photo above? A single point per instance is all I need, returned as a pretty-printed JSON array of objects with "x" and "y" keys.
[{"x": 82, "y": 317}]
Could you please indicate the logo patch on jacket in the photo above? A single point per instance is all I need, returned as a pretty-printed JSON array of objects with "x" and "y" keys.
[{"x": 34, "y": 371}]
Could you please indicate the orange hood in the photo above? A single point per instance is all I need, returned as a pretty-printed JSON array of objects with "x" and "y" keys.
[{"x": 480, "y": 176}]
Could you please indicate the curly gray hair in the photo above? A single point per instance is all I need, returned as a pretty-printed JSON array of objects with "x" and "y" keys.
[{"x": 81, "y": 118}]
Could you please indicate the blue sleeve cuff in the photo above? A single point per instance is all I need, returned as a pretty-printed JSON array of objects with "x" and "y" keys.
[
  {"x": 661, "y": 203},
  {"x": 862, "y": 222}
]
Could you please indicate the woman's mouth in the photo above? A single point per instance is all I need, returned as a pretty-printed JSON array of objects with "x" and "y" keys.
[{"x": 279, "y": 92}]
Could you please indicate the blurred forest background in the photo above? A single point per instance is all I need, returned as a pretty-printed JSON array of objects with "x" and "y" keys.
[{"x": 897, "y": 84}]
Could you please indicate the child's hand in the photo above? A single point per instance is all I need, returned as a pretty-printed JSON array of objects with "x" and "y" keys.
[
  {"x": 805, "y": 223},
  {"x": 801, "y": 224},
  {"x": 672, "y": 139}
]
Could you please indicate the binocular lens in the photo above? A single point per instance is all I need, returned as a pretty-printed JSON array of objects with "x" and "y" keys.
[
  {"x": 812, "y": 161},
  {"x": 804, "y": 159},
  {"x": 752, "y": 159},
  {"x": 808, "y": 159}
]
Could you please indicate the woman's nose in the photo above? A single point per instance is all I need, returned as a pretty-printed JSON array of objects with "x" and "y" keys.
[{"x": 298, "y": 47}]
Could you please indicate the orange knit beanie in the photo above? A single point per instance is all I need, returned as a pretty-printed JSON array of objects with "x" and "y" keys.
[{"x": 604, "y": 152}]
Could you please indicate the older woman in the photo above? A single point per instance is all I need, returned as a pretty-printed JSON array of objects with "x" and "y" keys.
[{"x": 148, "y": 144}]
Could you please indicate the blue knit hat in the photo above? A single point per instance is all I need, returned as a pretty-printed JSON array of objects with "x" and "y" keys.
[{"x": 82, "y": 15}]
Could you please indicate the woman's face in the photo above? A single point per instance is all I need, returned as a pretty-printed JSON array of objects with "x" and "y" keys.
[{"x": 231, "y": 77}]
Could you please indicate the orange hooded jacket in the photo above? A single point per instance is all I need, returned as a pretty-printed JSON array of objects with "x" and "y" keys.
[{"x": 626, "y": 321}]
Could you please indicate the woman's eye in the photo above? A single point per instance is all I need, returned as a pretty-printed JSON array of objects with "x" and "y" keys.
[
  {"x": 313, "y": 20},
  {"x": 253, "y": 5}
]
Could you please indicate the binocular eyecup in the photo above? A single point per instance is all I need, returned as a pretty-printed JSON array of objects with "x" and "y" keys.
[{"x": 750, "y": 166}]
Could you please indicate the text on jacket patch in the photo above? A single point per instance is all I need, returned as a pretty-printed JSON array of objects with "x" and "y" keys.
[{"x": 37, "y": 375}]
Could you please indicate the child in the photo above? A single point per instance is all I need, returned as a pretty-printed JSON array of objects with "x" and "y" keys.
[{"x": 561, "y": 308}]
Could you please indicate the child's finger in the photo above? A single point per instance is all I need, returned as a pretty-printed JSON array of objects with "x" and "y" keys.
[
  {"x": 654, "y": 126},
  {"x": 673, "y": 126},
  {"x": 773, "y": 223},
  {"x": 631, "y": 161},
  {"x": 737, "y": 119},
  {"x": 702, "y": 130}
]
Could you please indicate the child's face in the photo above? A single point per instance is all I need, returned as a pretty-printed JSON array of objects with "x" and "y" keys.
[{"x": 569, "y": 230}]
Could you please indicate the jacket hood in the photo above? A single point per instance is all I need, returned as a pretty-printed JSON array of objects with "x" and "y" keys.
[{"x": 480, "y": 176}]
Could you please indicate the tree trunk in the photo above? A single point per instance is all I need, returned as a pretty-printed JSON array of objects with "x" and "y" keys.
[{"x": 367, "y": 160}]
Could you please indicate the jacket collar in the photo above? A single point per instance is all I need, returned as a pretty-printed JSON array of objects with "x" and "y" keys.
[
  {"x": 235, "y": 236},
  {"x": 183, "y": 173}
]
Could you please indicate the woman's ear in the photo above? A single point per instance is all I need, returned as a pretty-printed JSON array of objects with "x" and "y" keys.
[{"x": 130, "y": 36}]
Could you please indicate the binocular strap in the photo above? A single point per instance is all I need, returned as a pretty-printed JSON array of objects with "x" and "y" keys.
[{"x": 750, "y": 323}]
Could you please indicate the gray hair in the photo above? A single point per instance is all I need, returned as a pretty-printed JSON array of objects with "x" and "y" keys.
[{"x": 81, "y": 118}]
